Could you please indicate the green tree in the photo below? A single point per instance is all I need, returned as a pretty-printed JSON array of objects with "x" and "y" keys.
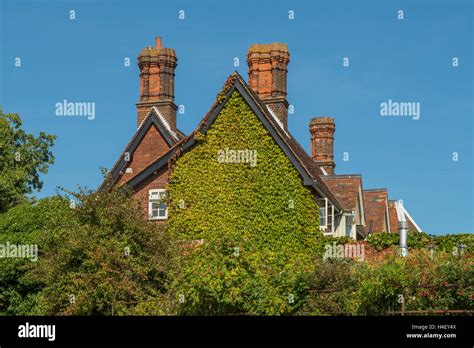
[
  {"x": 23, "y": 225},
  {"x": 106, "y": 259},
  {"x": 22, "y": 158}
]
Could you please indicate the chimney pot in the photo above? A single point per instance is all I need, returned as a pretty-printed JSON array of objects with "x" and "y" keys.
[
  {"x": 157, "y": 70},
  {"x": 158, "y": 43},
  {"x": 268, "y": 66},
  {"x": 322, "y": 142}
]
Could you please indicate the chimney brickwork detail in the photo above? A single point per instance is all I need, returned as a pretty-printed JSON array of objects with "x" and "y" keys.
[
  {"x": 268, "y": 69},
  {"x": 322, "y": 142},
  {"x": 157, "y": 71}
]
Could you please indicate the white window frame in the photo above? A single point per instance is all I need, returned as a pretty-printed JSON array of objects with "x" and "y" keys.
[
  {"x": 328, "y": 208},
  {"x": 161, "y": 193},
  {"x": 324, "y": 227}
]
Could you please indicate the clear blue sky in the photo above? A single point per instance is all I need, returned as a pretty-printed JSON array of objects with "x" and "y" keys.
[{"x": 403, "y": 60}]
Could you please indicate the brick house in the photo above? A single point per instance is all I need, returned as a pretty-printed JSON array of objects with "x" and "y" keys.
[{"x": 144, "y": 165}]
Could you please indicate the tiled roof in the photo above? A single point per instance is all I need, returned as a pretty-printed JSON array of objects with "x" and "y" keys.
[
  {"x": 375, "y": 205},
  {"x": 345, "y": 188},
  {"x": 392, "y": 209},
  {"x": 392, "y": 212}
]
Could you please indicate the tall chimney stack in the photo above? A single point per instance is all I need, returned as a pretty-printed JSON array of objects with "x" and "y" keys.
[
  {"x": 157, "y": 70},
  {"x": 268, "y": 69},
  {"x": 322, "y": 142}
]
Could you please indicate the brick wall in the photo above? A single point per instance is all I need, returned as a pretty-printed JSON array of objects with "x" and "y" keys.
[
  {"x": 156, "y": 181},
  {"x": 322, "y": 142},
  {"x": 152, "y": 146}
]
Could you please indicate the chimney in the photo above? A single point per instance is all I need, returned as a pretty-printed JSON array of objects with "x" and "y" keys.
[
  {"x": 157, "y": 66},
  {"x": 268, "y": 68},
  {"x": 322, "y": 142}
]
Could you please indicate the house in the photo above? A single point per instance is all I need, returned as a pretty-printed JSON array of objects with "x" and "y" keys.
[{"x": 346, "y": 209}]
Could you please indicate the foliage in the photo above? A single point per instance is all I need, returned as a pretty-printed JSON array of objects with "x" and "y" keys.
[
  {"x": 361, "y": 288},
  {"x": 442, "y": 284},
  {"x": 220, "y": 279},
  {"x": 23, "y": 224},
  {"x": 450, "y": 242},
  {"x": 330, "y": 288},
  {"x": 382, "y": 241},
  {"x": 105, "y": 260},
  {"x": 22, "y": 158},
  {"x": 417, "y": 240},
  {"x": 263, "y": 210}
]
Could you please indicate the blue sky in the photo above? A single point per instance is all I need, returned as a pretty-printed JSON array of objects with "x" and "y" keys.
[{"x": 407, "y": 60}]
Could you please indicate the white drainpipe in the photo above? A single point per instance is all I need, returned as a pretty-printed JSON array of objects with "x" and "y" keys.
[{"x": 402, "y": 228}]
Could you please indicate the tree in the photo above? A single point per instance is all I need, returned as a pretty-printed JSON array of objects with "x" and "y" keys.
[
  {"x": 23, "y": 225},
  {"x": 22, "y": 158},
  {"x": 106, "y": 259}
]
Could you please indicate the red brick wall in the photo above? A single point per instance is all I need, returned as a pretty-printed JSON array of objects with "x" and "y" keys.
[
  {"x": 155, "y": 181},
  {"x": 152, "y": 146}
]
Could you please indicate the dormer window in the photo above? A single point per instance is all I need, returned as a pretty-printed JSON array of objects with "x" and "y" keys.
[{"x": 157, "y": 207}]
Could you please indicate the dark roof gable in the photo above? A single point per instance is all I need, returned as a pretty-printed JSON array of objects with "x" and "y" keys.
[{"x": 151, "y": 119}]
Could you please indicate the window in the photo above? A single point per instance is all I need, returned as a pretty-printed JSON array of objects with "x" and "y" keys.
[
  {"x": 326, "y": 216},
  {"x": 157, "y": 207},
  {"x": 349, "y": 226},
  {"x": 323, "y": 215}
]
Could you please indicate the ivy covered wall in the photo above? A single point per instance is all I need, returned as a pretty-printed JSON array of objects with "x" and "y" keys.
[
  {"x": 261, "y": 199},
  {"x": 259, "y": 224}
]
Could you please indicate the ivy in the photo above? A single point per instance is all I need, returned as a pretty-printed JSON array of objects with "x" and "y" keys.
[
  {"x": 262, "y": 213},
  {"x": 419, "y": 240}
]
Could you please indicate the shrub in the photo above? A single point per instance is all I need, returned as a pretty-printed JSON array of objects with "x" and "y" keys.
[
  {"x": 24, "y": 224},
  {"x": 450, "y": 242},
  {"x": 105, "y": 260},
  {"x": 382, "y": 240}
]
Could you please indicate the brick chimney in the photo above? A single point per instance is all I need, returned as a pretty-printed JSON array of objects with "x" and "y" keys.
[
  {"x": 268, "y": 68},
  {"x": 322, "y": 142},
  {"x": 157, "y": 66}
]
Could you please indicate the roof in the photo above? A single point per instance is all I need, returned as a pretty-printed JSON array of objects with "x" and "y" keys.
[
  {"x": 375, "y": 205},
  {"x": 346, "y": 188},
  {"x": 308, "y": 169},
  {"x": 393, "y": 206},
  {"x": 392, "y": 212},
  {"x": 155, "y": 118}
]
